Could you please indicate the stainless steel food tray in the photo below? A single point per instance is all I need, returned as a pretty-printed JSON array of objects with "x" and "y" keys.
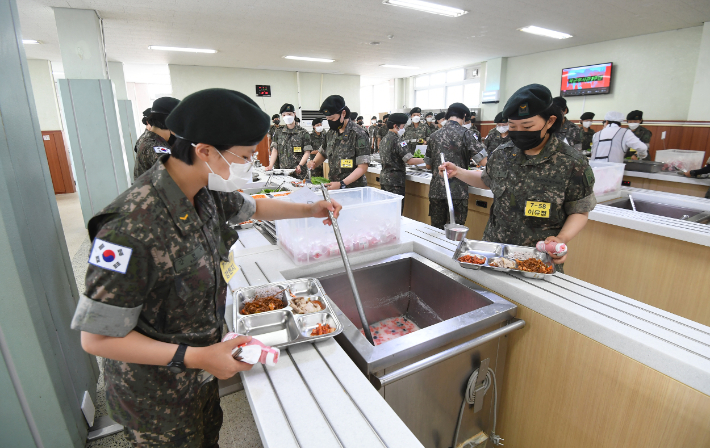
[
  {"x": 283, "y": 327},
  {"x": 494, "y": 250},
  {"x": 645, "y": 166}
]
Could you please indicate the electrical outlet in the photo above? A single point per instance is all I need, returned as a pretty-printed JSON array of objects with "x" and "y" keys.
[{"x": 663, "y": 135}]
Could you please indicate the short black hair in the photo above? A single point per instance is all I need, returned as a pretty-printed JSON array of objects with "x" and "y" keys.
[
  {"x": 557, "y": 112},
  {"x": 275, "y": 116},
  {"x": 317, "y": 121},
  {"x": 185, "y": 152},
  {"x": 158, "y": 120}
]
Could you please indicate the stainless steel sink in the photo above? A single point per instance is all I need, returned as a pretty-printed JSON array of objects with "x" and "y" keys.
[
  {"x": 659, "y": 209},
  {"x": 422, "y": 375}
]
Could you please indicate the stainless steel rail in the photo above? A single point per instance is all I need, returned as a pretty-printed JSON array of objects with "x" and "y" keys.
[{"x": 382, "y": 381}]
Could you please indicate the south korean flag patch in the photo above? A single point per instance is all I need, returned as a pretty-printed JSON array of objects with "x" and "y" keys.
[
  {"x": 161, "y": 150},
  {"x": 403, "y": 144},
  {"x": 110, "y": 256}
]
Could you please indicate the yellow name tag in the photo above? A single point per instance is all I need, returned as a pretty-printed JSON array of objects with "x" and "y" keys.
[
  {"x": 537, "y": 209},
  {"x": 346, "y": 163},
  {"x": 297, "y": 149},
  {"x": 228, "y": 268}
]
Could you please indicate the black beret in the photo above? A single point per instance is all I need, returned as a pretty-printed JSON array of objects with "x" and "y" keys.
[
  {"x": 386, "y": 116},
  {"x": 146, "y": 113},
  {"x": 275, "y": 116},
  {"x": 353, "y": 115},
  {"x": 635, "y": 115},
  {"x": 316, "y": 121},
  {"x": 415, "y": 110},
  {"x": 560, "y": 102},
  {"x": 164, "y": 105},
  {"x": 428, "y": 113},
  {"x": 499, "y": 118},
  {"x": 527, "y": 102},
  {"x": 373, "y": 118},
  {"x": 439, "y": 116},
  {"x": 219, "y": 117},
  {"x": 587, "y": 116},
  {"x": 398, "y": 118},
  {"x": 334, "y": 104},
  {"x": 360, "y": 117},
  {"x": 379, "y": 121},
  {"x": 459, "y": 108},
  {"x": 287, "y": 108}
]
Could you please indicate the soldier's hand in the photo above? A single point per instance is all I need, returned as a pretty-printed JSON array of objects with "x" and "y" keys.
[
  {"x": 298, "y": 169},
  {"x": 320, "y": 210},
  {"x": 334, "y": 186},
  {"x": 311, "y": 164},
  {"x": 269, "y": 168},
  {"x": 555, "y": 258},
  {"x": 217, "y": 359},
  {"x": 451, "y": 169}
]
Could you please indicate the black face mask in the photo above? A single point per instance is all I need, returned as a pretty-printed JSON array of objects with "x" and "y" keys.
[
  {"x": 276, "y": 122},
  {"x": 335, "y": 124},
  {"x": 360, "y": 123},
  {"x": 171, "y": 139},
  {"x": 526, "y": 140}
]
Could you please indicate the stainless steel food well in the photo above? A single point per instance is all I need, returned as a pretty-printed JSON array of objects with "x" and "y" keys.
[{"x": 660, "y": 209}]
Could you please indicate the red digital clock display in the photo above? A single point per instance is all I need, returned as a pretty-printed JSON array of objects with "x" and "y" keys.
[{"x": 263, "y": 90}]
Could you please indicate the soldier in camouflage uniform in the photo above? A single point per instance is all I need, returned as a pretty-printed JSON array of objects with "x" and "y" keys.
[
  {"x": 372, "y": 132},
  {"x": 383, "y": 129},
  {"x": 587, "y": 131},
  {"x": 346, "y": 147},
  {"x": 440, "y": 120},
  {"x": 396, "y": 156},
  {"x": 459, "y": 147},
  {"x": 317, "y": 140},
  {"x": 634, "y": 120},
  {"x": 158, "y": 140},
  {"x": 417, "y": 132},
  {"x": 154, "y": 290},
  {"x": 290, "y": 144},
  {"x": 542, "y": 187},
  {"x": 144, "y": 120},
  {"x": 568, "y": 131},
  {"x": 276, "y": 119},
  {"x": 498, "y": 135},
  {"x": 429, "y": 118}
]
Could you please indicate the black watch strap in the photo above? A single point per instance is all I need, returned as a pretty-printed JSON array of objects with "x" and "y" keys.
[
  {"x": 177, "y": 365},
  {"x": 343, "y": 184}
]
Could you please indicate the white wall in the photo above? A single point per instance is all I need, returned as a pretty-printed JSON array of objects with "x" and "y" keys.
[
  {"x": 699, "y": 109},
  {"x": 654, "y": 73},
  {"x": 45, "y": 94},
  {"x": 187, "y": 79}
]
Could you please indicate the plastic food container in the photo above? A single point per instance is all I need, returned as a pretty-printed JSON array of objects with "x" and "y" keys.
[
  {"x": 680, "y": 159},
  {"x": 607, "y": 178},
  {"x": 370, "y": 218}
]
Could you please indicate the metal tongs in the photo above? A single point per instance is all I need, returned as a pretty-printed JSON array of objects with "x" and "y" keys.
[
  {"x": 341, "y": 246},
  {"x": 309, "y": 177}
]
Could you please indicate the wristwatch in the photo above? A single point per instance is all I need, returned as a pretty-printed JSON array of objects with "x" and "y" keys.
[
  {"x": 342, "y": 185},
  {"x": 177, "y": 365}
]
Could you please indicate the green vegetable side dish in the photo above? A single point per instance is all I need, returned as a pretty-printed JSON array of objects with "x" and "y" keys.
[
  {"x": 418, "y": 154},
  {"x": 315, "y": 180},
  {"x": 267, "y": 191}
]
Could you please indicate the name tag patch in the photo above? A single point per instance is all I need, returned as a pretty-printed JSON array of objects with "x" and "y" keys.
[
  {"x": 161, "y": 150},
  {"x": 188, "y": 260},
  {"x": 297, "y": 149},
  {"x": 346, "y": 163},
  {"x": 537, "y": 209},
  {"x": 110, "y": 256}
]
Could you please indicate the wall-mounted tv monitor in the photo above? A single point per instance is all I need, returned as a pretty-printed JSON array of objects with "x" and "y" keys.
[{"x": 586, "y": 80}]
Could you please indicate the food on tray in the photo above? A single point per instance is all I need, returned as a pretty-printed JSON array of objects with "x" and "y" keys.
[
  {"x": 305, "y": 305},
  {"x": 316, "y": 180},
  {"x": 262, "y": 305},
  {"x": 535, "y": 265},
  {"x": 283, "y": 193},
  {"x": 501, "y": 262},
  {"x": 259, "y": 196},
  {"x": 391, "y": 328},
  {"x": 474, "y": 259},
  {"x": 320, "y": 330}
]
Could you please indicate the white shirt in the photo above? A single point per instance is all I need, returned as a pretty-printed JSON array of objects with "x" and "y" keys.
[{"x": 617, "y": 154}]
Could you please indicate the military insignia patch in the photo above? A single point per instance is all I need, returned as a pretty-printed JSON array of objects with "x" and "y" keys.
[
  {"x": 523, "y": 110},
  {"x": 589, "y": 177}
]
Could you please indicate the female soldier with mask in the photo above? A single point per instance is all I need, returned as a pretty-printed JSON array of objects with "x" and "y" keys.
[
  {"x": 155, "y": 296},
  {"x": 156, "y": 141},
  {"x": 542, "y": 188}
]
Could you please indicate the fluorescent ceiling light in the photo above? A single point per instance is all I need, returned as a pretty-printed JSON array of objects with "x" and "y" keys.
[
  {"x": 30, "y": 41},
  {"x": 304, "y": 58},
  {"x": 432, "y": 8},
  {"x": 58, "y": 74},
  {"x": 189, "y": 50},
  {"x": 396, "y": 66},
  {"x": 545, "y": 32}
]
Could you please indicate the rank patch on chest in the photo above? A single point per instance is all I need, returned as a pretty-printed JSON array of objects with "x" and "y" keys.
[
  {"x": 297, "y": 149},
  {"x": 161, "y": 150},
  {"x": 346, "y": 163},
  {"x": 110, "y": 256},
  {"x": 537, "y": 209}
]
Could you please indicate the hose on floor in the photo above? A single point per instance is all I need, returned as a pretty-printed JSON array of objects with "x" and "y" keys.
[{"x": 469, "y": 397}]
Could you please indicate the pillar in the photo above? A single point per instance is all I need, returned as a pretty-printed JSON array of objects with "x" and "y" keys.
[
  {"x": 45, "y": 94},
  {"x": 90, "y": 112},
  {"x": 125, "y": 111},
  {"x": 494, "y": 81},
  {"x": 43, "y": 370},
  {"x": 699, "y": 100}
]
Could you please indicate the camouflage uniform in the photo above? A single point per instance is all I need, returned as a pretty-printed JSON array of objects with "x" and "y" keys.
[
  {"x": 559, "y": 177},
  {"x": 316, "y": 142},
  {"x": 345, "y": 152},
  {"x": 382, "y": 131},
  {"x": 432, "y": 127},
  {"x": 494, "y": 139},
  {"x": 459, "y": 147},
  {"x": 150, "y": 148},
  {"x": 272, "y": 130},
  {"x": 172, "y": 291},
  {"x": 416, "y": 135},
  {"x": 290, "y": 144},
  {"x": 373, "y": 131},
  {"x": 395, "y": 154},
  {"x": 644, "y": 135},
  {"x": 571, "y": 132},
  {"x": 587, "y": 135},
  {"x": 138, "y": 142}
]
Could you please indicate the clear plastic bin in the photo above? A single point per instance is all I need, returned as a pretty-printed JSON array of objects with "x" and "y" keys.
[
  {"x": 607, "y": 178},
  {"x": 370, "y": 218},
  {"x": 680, "y": 159}
]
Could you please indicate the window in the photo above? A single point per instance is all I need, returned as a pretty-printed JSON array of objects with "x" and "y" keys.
[
  {"x": 422, "y": 81},
  {"x": 454, "y": 94},
  {"x": 437, "y": 79},
  {"x": 422, "y": 99},
  {"x": 455, "y": 75},
  {"x": 436, "y": 98},
  {"x": 439, "y": 90},
  {"x": 472, "y": 94}
]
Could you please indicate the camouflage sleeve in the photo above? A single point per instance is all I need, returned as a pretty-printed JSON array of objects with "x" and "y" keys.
[
  {"x": 362, "y": 149},
  {"x": 429, "y": 151},
  {"x": 579, "y": 196},
  {"x": 306, "y": 141},
  {"x": 237, "y": 205},
  {"x": 112, "y": 301},
  {"x": 475, "y": 148},
  {"x": 402, "y": 151}
]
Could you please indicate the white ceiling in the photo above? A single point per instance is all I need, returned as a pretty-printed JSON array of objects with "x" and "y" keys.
[{"x": 258, "y": 33}]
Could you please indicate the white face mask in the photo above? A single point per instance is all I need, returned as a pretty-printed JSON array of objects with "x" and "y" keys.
[
  {"x": 319, "y": 128},
  {"x": 633, "y": 126},
  {"x": 586, "y": 124},
  {"x": 373, "y": 121},
  {"x": 467, "y": 125},
  {"x": 443, "y": 122},
  {"x": 400, "y": 132},
  {"x": 429, "y": 119},
  {"x": 288, "y": 119},
  {"x": 416, "y": 119},
  {"x": 239, "y": 175},
  {"x": 502, "y": 129}
]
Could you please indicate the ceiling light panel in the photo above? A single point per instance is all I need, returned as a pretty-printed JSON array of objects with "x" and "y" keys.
[
  {"x": 545, "y": 32},
  {"x": 305, "y": 58},
  {"x": 432, "y": 8},
  {"x": 187, "y": 50},
  {"x": 397, "y": 66},
  {"x": 30, "y": 41}
]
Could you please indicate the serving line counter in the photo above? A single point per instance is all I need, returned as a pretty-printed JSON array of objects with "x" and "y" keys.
[
  {"x": 590, "y": 368},
  {"x": 654, "y": 259},
  {"x": 668, "y": 182}
]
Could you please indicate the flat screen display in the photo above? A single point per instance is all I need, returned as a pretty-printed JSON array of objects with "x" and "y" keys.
[{"x": 586, "y": 80}]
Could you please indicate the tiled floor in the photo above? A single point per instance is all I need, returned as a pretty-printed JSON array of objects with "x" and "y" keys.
[{"x": 238, "y": 429}]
